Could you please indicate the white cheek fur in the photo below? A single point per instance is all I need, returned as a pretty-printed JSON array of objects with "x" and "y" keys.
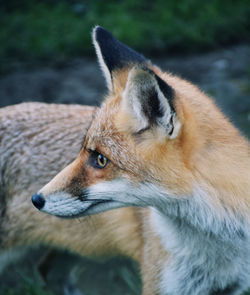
[{"x": 127, "y": 193}]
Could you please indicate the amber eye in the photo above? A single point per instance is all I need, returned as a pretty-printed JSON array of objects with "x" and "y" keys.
[
  {"x": 97, "y": 160},
  {"x": 102, "y": 161}
]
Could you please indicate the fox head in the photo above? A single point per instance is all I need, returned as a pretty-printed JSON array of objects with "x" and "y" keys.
[{"x": 140, "y": 147}]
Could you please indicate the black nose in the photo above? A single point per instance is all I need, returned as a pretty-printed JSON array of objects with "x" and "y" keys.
[{"x": 38, "y": 201}]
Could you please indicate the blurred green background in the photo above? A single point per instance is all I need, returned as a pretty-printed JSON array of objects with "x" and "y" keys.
[{"x": 53, "y": 32}]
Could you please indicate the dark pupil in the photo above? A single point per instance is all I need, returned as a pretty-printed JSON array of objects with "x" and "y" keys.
[{"x": 101, "y": 159}]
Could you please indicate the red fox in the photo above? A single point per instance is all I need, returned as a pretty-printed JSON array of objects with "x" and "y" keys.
[{"x": 160, "y": 144}]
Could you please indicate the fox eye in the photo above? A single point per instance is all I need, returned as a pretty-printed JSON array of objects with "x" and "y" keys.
[
  {"x": 98, "y": 160},
  {"x": 102, "y": 161}
]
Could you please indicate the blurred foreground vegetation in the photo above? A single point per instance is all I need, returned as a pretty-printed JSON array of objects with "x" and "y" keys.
[
  {"x": 56, "y": 30},
  {"x": 28, "y": 288},
  {"x": 66, "y": 273}
]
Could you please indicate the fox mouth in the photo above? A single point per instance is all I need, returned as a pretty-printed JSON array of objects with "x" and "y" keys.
[
  {"x": 93, "y": 206},
  {"x": 65, "y": 206}
]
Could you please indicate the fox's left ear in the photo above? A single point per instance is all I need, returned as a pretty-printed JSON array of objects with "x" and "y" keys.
[
  {"x": 150, "y": 102},
  {"x": 113, "y": 54}
]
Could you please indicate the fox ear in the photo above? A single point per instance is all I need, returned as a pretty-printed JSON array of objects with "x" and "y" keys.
[
  {"x": 112, "y": 54},
  {"x": 150, "y": 101}
]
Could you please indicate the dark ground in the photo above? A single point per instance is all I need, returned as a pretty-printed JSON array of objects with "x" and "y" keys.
[{"x": 223, "y": 74}]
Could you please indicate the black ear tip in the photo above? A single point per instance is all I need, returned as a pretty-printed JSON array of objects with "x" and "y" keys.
[
  {"x": 100, "y": 33},
  {"x": 112, "y": 53},
  {"x": 97, "y": 29}
]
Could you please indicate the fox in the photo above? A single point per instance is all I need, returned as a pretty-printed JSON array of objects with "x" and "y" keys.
[{"x": 160, "y": 144}]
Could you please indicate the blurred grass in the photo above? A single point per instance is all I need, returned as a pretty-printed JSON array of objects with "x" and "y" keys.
[
  {"x": 53, "y": 30},
  {"x": 27, "y": 288}
]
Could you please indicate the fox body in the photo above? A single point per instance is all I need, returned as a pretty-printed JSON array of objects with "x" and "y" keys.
[{"x": 159, "y": 143}]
